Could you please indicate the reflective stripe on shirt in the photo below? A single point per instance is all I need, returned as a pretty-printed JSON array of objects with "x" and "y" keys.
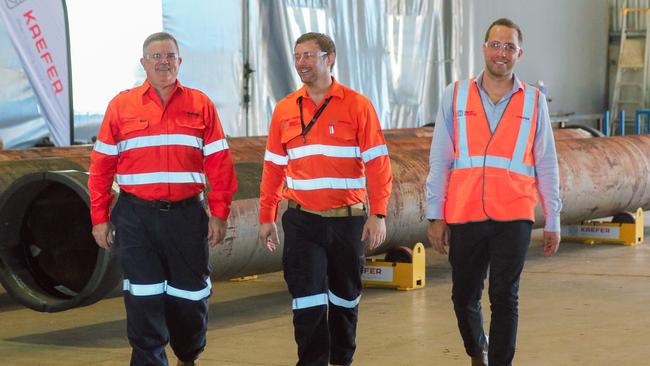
[
  {"x": 275, "y": 158},
  {"x": 105, "y": 148},
  {"x": 160, "y": 177},
  {"x": 326, "y": 150},
  {"x": 160, "y": 140},
  {"x": 215, "y": 147},
  {"x": 322, "y": 183},
  {"x": 374, "y": 152}
]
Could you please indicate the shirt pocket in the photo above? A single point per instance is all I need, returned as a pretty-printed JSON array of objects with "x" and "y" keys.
[
  {"x": 291, "y": 129},
  {"x": 193, "y": 123},
  {"x": 343, "y": 131},
  {"x": 129, "y": 126}
]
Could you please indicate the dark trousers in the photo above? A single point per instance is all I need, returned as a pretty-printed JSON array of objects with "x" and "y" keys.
[
  {"x": 473, "y": 247},
  {"x": 164, "y": 256},
  {"x": 322, "y": 261}
]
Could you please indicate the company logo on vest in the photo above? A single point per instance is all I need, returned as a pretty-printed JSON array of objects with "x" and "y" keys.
[{"x": 465, "y": 113}]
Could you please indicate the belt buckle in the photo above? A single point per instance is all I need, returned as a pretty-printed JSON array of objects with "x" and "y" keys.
[{"x": 164, "y": 205}]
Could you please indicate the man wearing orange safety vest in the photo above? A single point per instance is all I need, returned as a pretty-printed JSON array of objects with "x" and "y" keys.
[
  {"x": 492, "y": 153},
  {"x": 160, "y": 141},
  {"x": 322, "y": 140}
]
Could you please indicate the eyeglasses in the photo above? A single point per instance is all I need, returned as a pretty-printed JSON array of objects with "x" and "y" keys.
[
  {"x": 509, "y": 48},
  {"x": 162, "y": 56},
  {"x": 308, "y": 56}
]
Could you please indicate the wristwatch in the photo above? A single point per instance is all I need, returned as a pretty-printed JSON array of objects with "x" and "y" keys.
[
  {"x": 380, "y": 216},
  {"x": 432, "y": 220}
]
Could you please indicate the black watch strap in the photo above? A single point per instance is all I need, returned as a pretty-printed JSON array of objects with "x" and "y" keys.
[
  {"x": 380, "y": 216},
  {"x": 432, "y": 220}
]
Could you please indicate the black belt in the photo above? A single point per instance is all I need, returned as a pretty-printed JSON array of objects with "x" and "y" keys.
[
  {"x": 346, "y": 211},
  {"x": 163, "y": 205}
]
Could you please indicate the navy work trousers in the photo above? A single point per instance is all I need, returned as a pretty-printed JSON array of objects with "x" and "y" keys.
[
  {"x": 322, "y": 261},
  {"x": 473, "y": 247},
  {"x": 164, "y": 256}
]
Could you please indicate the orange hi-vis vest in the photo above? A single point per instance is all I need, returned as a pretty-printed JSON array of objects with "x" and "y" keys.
[{"x": 493, "y": 174}]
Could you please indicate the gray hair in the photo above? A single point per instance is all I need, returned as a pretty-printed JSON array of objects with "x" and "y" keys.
[{"x": 160, "y": 36}]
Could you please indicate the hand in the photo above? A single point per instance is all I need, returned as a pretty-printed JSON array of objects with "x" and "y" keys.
[
  {"x": 374, "y": 231},
  {"x": 103, "y": 235},
  {"x": 438, "y": 234},
  {"x": 551, "y": 242},
  {"x": 268, "y": 235},
  {"x": 216, "y": 231}
]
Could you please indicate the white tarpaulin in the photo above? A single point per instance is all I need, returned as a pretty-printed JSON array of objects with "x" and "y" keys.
[{"x": 38, "y": 31}]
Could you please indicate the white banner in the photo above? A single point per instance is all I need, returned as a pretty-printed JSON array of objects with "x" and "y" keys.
[{"x": 39, "y": 32}]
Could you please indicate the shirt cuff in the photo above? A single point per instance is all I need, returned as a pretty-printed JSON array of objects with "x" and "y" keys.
[
  {"x": 217, "y": 209},
  {"x": 552, "y": 224},
  {"x": 434, "y": 212},
  {"x": 268, "y": 214}
]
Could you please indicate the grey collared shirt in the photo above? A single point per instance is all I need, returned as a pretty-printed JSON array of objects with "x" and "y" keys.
[{"x": 441, "y": 157}]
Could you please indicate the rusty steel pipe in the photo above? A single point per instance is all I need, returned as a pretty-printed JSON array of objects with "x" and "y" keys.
[
  {"x": 44, "y": 219},
  {"x": 601, "y": 177},
  {"x": 576, "y": 131}
]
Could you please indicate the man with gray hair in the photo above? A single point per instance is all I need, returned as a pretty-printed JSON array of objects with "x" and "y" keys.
[{"x": 160, "y": 141}]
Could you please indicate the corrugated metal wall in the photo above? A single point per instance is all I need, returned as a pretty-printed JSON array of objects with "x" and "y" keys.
[{"x": 635, "y": 22}]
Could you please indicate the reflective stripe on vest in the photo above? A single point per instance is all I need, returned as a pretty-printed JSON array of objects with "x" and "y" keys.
[
  {"x": 461, "y": 102},
  {"x": 516, "y": 164},
  {"x": 160, "y": 177},
  {"x": 323, "y": 183}
]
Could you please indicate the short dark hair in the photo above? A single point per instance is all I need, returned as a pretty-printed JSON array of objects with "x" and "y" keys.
[
  {"x": 325, "y": 43},
  {"x": 160, "y": 36},
  {"x": 506, "y": 23}
]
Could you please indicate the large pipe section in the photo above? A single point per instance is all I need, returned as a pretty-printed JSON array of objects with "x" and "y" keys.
[{"x": 49, "y": 261}]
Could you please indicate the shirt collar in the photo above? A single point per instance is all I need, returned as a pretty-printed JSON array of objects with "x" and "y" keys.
[
  {"x": 515, "y": 86},
  {"x": 335, "y": 90},
  {"x": 144, "y": 88}
]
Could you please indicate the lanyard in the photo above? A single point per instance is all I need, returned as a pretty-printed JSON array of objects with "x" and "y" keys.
[{"x": 305, "y": 129}]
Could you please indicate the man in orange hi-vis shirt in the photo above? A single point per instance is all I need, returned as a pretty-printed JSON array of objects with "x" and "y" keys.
[
  {"x": 325, "y": 142},
  {"x": 160, "y": 141}
]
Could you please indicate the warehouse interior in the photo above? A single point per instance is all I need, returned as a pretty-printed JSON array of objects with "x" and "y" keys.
[{"x": 61, "y": 295}]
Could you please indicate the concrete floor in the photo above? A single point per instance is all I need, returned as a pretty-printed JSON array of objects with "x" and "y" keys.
[{"x": 585, "y": 306}]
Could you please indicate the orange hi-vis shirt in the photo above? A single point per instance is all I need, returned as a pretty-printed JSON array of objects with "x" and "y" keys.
[
  {"x": 161, "y": 152},
  {"x": 493, "y": 175},
  {"x": 330, "y": 166}
]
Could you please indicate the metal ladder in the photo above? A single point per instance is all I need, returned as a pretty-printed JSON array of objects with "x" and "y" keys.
[{"x": 631, "y": 82}]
